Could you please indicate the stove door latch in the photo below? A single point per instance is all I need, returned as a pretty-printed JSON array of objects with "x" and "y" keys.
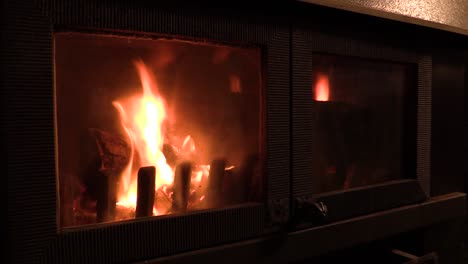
[{"x": 308, "y": 210}]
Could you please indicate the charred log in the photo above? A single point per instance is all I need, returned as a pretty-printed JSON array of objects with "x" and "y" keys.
[
  {"x": 107, "y": 197},
  {"x": 214, "y": 195},
  {"x": 162, "y": 202},
  {"x": 113, "y": 150},
  {"x": 111, "y": 154},
  {"x": 242, "y": 181},
  {"x": 170, "y": 154},
  {"x": 145, "y": 191},
  {"x": 181, "y": 187}
]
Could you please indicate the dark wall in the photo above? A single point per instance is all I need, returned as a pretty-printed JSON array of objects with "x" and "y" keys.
[{"x": 465, "y": 95}]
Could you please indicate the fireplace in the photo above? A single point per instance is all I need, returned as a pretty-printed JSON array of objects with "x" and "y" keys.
[{"x": 154, "y": 130}]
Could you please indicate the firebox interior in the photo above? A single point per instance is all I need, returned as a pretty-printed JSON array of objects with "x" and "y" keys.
[{"x": 183, "y": 107}]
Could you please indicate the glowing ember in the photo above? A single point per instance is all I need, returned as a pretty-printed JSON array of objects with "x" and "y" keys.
[
  {"x": 322, "y": 88},
  {"x": 188, "y": 145}
]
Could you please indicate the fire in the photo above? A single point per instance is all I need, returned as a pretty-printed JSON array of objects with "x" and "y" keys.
[
  {"x": 322, "y": 88},
  {"x": 143, "y": 118},
  {"x": 235, "y": 83}
]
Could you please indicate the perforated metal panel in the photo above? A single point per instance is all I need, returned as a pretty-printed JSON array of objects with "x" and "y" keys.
[
  {"x": 423, "y": 169},
  {"x": 28, "y": 137}
]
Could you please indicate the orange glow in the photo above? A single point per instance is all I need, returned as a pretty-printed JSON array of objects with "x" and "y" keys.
[
  {"x": 322, "y": 88},
  {"x": 142, "y": 117},
  {"x": 189, "y": 144},
  {"x": 234, "y": 83}
]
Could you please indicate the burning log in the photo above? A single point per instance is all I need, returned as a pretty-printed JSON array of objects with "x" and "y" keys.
[
  {"x": 215, "y": 186},
  {"x": 176, "y": 155},
  {"x": 123, "y": 213},
  {"x": 114, "y": 154},
  {"x": 113, "y": 150},
  {"x": 181, "y": 194},
  {"x": 241, "y": 188},
  {"x": 163, "y": 202},
  {"x": 107, "y": 197},
  {"x": 170, "y": 154},
  {"x": 145, "y": 191}
]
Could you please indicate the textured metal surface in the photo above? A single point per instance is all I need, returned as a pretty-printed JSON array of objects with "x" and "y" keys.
[
  {"x": 370, "y": 199},
  {"x": 29, "y": 136},
  {"x": 302, "y": 130},
  {"x": 423, "y": 168},
  {"x": 450, "y": 15},
  {"x": 278, "y": 117},
  {"x": 307, "y": 40},
  {"x": 124, "y": 242}
]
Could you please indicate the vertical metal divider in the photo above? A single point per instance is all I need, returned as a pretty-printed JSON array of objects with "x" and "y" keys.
[{"x": 291, "y": 120}]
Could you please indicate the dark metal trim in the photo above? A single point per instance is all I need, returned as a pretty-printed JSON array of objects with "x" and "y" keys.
[
  {"x": 423, "y": 155},
  {"x": 295, "y": 246},
  {"x": 354, "y": 202}
]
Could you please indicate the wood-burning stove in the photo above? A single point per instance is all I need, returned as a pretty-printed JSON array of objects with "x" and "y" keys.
[{"x": 279, "y": 130}]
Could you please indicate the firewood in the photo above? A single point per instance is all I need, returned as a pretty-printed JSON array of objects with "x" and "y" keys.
[
  {"x": 114, "y": 151},
  {"x": 241, "y": 188},
  {"x": 145, "y": 191},
  {"x": 170, "y": 154},
  {"x": 163, "y": 202},
  {"x": 114, "y": 154},
  {"x": 214, "y": 195},
  {"x": 124, "y": 213},
  {"x": 229, "y": 183},
  {"x": 181, "y": 187},
  {"x": 107, "y": 197}
]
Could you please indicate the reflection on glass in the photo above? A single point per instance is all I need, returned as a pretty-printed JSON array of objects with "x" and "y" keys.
[
  {"x": 153, "y": 127},
  {"x": 364, "y": 121}
]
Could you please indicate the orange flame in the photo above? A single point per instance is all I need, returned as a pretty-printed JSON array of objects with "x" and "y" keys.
[
  {"x": 322, "y": 88},
  {"x": 142, "y": 118}
]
